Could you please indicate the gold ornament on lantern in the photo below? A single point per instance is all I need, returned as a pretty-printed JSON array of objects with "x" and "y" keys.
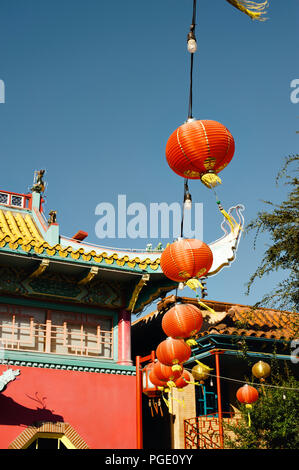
[
  {"x": 261, "y": 370},
  {"x": 201, "y": 372}
]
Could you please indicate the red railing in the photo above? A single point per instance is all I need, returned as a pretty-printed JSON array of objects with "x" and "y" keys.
[
  {"x": 23, "y": 333},
  {"x": 22, "y": 201},
  {"x": 203, "y": 432}
]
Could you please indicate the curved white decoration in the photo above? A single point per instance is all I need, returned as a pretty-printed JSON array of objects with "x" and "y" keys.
[{"x": 224, "y": 249}]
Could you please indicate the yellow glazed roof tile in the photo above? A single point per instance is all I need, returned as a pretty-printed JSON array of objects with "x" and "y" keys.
[{"x": 18, "y": 229}]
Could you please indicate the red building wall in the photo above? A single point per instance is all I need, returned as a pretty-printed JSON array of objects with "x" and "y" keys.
[{"x": 100, "y": 407}]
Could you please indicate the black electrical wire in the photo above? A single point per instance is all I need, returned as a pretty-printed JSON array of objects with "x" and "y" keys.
[
  {"x": 190, "y": 116},
  {"x": 192, "y": 30}
]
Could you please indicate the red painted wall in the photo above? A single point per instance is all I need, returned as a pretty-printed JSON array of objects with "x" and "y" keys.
[{"x": 100, "y": 407}]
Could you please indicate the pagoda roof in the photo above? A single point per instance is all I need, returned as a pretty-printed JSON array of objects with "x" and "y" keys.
[{"x": 23, "y": 229}]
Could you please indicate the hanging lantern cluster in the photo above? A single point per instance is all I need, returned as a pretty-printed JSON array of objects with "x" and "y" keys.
[{"x": 165, "y": 378}]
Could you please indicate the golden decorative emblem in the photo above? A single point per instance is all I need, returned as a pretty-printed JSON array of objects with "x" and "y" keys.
[
  {"x": 192, "y": 174},
  {"x": 184, "y": 274},
  {"x": 209, "y": 163},
  {"x": 201, "y": 272}
]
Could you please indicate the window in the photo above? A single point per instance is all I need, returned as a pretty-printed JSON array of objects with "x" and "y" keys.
[
  {"x": 3, "y": 198},
  {"x": 17, "y": 201},
  {"x": 44, "y": 443},
  {"x": 30, "y": 329}
]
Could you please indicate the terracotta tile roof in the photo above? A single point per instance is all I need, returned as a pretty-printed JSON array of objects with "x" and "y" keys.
[{"x": 235, "y": 319}]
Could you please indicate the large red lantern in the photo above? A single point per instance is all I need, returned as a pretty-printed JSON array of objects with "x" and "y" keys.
[
  {"x": 182, "y": 321},
  {"x": 173, "y": 352},
  {"x": 166, "y": 373},
  {"x": 200, "y": 149},
  {"x": 186, "y": 259},
  {"x": 247, "y": 394}
]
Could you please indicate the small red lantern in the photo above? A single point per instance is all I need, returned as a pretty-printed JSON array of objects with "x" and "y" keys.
[
  {"x": 182, "y": 321},
  {"x": 157, "y": 382},
  {"x": 199, "y": 149},
  {"x": 166, "y": 373},
  {"x": 247, "y": 394},
  {"x": 183, "y": 381},
  {"x": 173, "y": 352},
  {"x": 186, "y": 259}
]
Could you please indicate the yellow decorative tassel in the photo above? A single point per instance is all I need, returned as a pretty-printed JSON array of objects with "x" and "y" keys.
[
  {"x": 204, "y": 366},
  {"x": 191, "y": 342},
  {"x": 192, "y": 383},
  {"x": 249, "y": 407},
  {"x": 206, "y": 307},
  {"x": 210, "y": 180},
  {"x": 253, "y": 9},
  {"x": 180, "y": 402},
  {"x": 176, "y": 367},
  {"x": 170, "y": 383},
  {"x": 194, "y": 284},
  {"x": 228, "y": 217}
]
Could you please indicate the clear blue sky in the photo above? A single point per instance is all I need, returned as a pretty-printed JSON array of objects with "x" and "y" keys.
[{"x": 94, "y": 89}]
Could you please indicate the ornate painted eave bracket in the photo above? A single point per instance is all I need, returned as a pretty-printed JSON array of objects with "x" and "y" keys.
[
  {"x": 142, "y": 282},
  {"x": 91, "y": 274},
  {"x": 44, "y": 264}
]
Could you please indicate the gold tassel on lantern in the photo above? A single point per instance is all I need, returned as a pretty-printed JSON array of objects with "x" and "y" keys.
[
  {"x": 253, "y": 9},
  {"x": 194, "y": 284},
  {"x": 249, "y": 408},
  {"x": 210, "y": 180}
]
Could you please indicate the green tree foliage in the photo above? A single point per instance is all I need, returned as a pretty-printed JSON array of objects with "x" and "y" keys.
[
  {"x": 282, "y": 224},
  {"x": 274, "y": 418}
]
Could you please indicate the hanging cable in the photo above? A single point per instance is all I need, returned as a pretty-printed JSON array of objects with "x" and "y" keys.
[
  {"x": 246, "y": 382},
  {"x": 192, "y": 47},
  {"x": 187, "y": 204}
]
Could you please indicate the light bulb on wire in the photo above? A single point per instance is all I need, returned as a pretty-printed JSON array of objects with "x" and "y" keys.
[
  {"x": 191, "y": 42},
  {"x": 187, "y": 201}
]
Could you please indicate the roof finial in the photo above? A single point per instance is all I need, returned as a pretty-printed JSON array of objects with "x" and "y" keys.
[{"x": 38, "y": 182}]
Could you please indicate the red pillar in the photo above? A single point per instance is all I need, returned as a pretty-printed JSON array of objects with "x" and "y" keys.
[
  {"x": 219, "y": 397},
  {"x": 139, "y": 431},
  {"x": 124, "y": 338}
]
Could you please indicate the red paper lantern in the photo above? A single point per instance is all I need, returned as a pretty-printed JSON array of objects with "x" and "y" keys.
[
  {"x": 155, "y": 381},
  {"x": 182, "y": 321},
  {"x": 247, "y": 394},
  {"x": 186, "y": 259},
  {"x": 173, "y": 352},
  {"x": 199, "y": 148},
  {"x": 165, "y": 373},
  {"x": 183, "y": 381}
]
